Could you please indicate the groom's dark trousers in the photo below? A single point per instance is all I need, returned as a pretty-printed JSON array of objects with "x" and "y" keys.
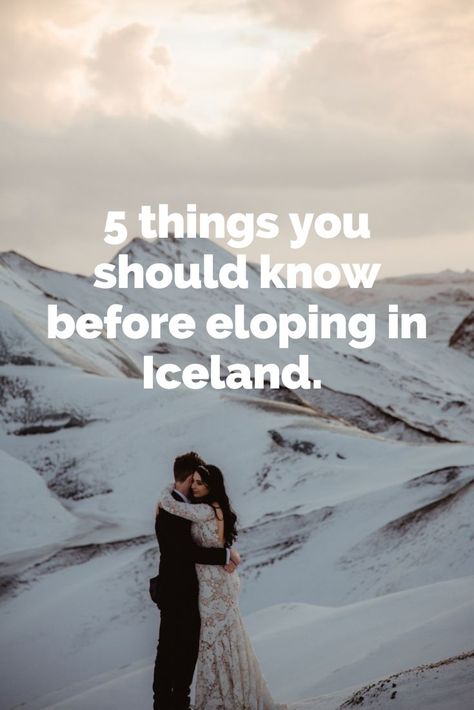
[{"x": 180, "y": 623}]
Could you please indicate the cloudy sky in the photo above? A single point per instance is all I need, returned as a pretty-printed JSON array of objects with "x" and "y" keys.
[{"x": 240, "y": 105}]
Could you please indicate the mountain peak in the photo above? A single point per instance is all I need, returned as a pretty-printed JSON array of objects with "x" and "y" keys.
[
  {"x": 16, "y": 261},
  {"x": 173, "y": 249}
]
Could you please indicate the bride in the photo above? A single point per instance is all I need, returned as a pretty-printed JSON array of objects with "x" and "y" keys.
[{"x": 228, "y": 675}]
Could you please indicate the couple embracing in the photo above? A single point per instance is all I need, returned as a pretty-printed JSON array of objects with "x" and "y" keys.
[{"x": 197, "y": 592}]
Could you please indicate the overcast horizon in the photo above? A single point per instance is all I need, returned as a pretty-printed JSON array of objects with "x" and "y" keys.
[
  {"x": 110, "y": 256},
  {"x": 240, "y": 106}
]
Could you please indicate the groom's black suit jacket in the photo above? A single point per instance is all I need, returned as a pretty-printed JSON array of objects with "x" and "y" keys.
[{"x": 179, "y": 553}]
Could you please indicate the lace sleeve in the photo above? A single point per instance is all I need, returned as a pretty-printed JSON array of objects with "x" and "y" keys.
[{"x": 199, "y": 512}]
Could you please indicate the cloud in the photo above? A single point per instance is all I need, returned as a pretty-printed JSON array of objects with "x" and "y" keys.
[
  {"x": 38, "y": 63},
  {"x": 60, "y": 189},
  {"x": 57, "y": 60},
  {"x": 374, "y": 115},
  {"x": 406, "y": 64},
  {"x": 128, "y": 73}
]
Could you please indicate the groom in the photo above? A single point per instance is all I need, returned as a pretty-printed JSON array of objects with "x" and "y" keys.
[{"x": 178, "y": 641}]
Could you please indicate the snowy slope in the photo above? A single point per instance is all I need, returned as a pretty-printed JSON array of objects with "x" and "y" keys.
[
  {"x": 308, "y": 651},
  {"x": 361, "y": 642},
  {"x": 31, "y": 519},
  {"x": 445, "y": 297},
  {"x": 425, "y": 385}
]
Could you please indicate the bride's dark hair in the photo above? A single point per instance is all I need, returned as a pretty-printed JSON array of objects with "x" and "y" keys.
[{"x": 214, "y": 480}]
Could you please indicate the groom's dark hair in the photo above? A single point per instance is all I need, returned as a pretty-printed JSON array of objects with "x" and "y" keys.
[{"x": 185, "y": 465}]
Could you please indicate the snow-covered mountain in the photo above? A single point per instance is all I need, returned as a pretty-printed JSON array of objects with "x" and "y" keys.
[
  {"x": 463, "y": 337},
  {"x": 355, "y": 501}
]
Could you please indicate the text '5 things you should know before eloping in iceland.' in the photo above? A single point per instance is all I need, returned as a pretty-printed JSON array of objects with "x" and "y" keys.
[{"x": 238, "y": 231}]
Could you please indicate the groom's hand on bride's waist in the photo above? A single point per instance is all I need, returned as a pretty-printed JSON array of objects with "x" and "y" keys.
[
  {"x": 234, "y": 556},
  {"x": 233, "y": 560}
]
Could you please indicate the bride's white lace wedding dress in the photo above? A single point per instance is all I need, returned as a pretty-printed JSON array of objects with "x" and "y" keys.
[{"x": 228, "y": 675}]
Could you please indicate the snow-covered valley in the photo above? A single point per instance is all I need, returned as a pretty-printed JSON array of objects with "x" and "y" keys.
[{"x": 355, "y": 502}]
